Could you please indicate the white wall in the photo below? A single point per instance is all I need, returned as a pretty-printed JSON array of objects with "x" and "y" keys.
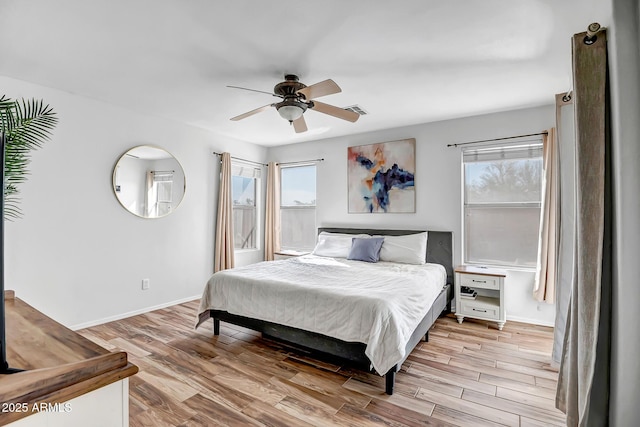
[
  {"x": 107, "y": 406},
  {"x": 624, "y": 54},
  {"x": 77, "y": 255},
  {"x": 438, "y": 184}
]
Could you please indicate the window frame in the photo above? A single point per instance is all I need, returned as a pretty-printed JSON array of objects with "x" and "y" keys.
[
  {"x": 535, "y": 145},
  {"x": 284, "y": 247},
  {"x": 238, "y": 165}
]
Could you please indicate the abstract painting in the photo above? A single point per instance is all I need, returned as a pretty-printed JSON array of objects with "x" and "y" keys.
[{"x": 381, "y": 177}]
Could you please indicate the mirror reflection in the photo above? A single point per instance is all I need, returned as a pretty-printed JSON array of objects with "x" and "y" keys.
[{"x": 148, "y": 182}]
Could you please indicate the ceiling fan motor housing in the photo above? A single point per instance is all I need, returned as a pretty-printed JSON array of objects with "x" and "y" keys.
[{"x": 289, "y": 86}]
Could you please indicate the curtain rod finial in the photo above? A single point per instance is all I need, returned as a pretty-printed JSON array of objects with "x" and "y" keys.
[
  {"x": 592, "y": 33},
  {"x": 593, "y": 29}
]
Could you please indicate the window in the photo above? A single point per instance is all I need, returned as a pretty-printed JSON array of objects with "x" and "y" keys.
[
  {"x": 298, "y": 207},
  {"x": 502, "y": 193},
  {"x": 244, "y": 184}
]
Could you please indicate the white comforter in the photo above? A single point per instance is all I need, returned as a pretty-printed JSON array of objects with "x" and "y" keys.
[{"x": 377, "y": 304}]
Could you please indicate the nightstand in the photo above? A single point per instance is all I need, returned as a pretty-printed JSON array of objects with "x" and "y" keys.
[{"x": 486, "y": 301}]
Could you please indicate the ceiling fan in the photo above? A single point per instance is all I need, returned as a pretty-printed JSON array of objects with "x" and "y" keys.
[{"x": 297, "y": 98}]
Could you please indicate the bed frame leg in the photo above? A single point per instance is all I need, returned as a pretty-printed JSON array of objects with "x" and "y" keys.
[
  {"x": 390, "y": 380},
  {"x": 216, "y": 326},
  {"x": 426, "y": 337}
]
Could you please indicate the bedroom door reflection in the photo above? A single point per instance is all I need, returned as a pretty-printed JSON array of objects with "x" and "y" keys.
[{"x": 159, "y": 194}]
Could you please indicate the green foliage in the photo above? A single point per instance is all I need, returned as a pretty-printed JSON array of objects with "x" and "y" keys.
[
  {"x": 517, "y": 180},
  {"x": 26, "y": 124}
]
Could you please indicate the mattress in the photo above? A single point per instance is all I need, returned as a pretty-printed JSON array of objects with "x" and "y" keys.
[{"x": 378, "y": 304}]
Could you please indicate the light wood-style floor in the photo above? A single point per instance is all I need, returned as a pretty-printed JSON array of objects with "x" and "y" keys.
[{"x": 466, "y": 375}]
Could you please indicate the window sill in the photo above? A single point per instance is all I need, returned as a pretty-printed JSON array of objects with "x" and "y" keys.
[
  {"x": 243, "y": 251},
  {"x": 502, "y": 267}
]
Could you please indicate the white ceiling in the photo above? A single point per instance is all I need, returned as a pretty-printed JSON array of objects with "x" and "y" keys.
[{"x": 404, "y": 62}]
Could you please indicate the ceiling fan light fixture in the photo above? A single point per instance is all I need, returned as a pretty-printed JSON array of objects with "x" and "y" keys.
[
  {"x": 290, "y": 112},
  {"x": 291, "y": 108}
]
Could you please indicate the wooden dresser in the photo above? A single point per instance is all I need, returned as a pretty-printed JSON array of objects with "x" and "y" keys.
[{"x": 68, "y": 379}]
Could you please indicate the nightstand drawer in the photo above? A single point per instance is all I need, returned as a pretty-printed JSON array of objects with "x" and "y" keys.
[
  {"x": 479, "y": 281},
  {"x": 480, "y": 308}
]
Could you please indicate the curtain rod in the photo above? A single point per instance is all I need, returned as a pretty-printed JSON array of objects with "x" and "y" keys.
[
  {"x": 243, "y": 160},
  {"x": 300, "y": 162},
  {"x": 497, "y": 139}
]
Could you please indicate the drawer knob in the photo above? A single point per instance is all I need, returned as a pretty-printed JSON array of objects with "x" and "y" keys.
[
  {"x": 478, "y": 281},
  {"x": 477, "y": 309}
]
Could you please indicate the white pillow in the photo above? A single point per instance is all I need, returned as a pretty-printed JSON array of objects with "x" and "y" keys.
[
  {"x": 409, "y": 249},
  {"x": 334, "y": 245}
]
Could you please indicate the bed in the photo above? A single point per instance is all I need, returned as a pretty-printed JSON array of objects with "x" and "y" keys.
[{"x": 343, "y": 309}]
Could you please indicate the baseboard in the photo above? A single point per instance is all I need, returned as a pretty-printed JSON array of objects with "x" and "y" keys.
[
  {"x": 530, "y": 321},
  {"x": 133, "y": 313}
]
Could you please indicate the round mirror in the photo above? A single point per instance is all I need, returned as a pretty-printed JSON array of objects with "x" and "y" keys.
[{"x": 149, "y": 182}]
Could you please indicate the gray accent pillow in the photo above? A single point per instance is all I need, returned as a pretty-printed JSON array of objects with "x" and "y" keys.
[{"x": 365, "y": 249}]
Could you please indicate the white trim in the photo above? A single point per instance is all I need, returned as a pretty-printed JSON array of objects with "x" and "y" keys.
[
  {"x": 132, "y": 313},
  {"x": 125, "y": 402},
  {"x": 247, "y": 250},
  {"x": 299, "y": 164},
  {"x": 530, "y": 321},
  {"x": 502, "y": 266}
]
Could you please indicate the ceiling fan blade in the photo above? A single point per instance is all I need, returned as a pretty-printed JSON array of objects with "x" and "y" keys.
[
  {"x": 254, "y": 90},
  {"x": 327, "y": 87},
  {"x": 251, "y": 113},
  {"x": 338, "y": 112},
  {"x": 300, "y": 125}
]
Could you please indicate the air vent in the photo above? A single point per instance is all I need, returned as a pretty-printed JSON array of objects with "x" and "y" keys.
[{"x": 356, "y": 109}]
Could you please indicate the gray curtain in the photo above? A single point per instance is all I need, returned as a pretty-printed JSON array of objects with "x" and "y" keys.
[
  {"x": 624, "y": 57},
  {"x": 584, "y": 380}
]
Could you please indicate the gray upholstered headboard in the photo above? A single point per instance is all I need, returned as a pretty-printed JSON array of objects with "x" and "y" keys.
[{"x": 439, "y": 243}]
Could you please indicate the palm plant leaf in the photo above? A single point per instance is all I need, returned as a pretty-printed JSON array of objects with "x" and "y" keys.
[{"x": 26, "y": 124}]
